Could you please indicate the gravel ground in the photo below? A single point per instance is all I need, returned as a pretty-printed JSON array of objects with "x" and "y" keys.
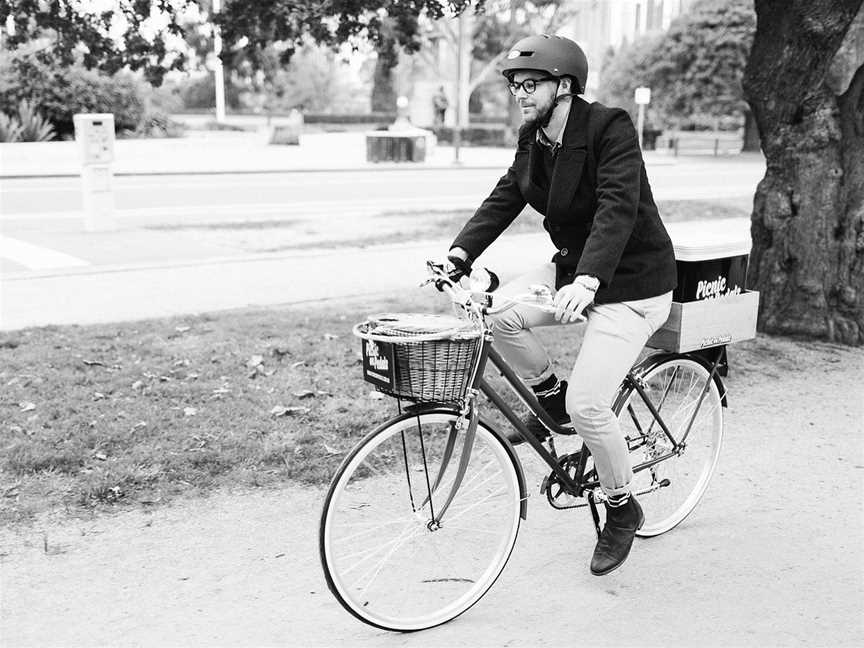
[{"x": 773, "y": 556}]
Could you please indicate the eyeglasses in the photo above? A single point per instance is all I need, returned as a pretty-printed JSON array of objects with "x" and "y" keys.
[{"x": 528, "y": 85}]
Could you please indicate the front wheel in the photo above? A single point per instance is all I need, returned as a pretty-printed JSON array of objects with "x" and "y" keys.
[
  {"x": 385, "y": 559},
  {"x": 669, "y": 490}
]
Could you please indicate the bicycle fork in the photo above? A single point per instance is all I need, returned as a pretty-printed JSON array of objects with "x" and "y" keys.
[{"x": 470, "y": 414}]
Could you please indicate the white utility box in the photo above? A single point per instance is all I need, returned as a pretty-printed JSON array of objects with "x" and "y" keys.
[
  {"x": 94, "y": 133},
  {"x": 710, "y": 306}
]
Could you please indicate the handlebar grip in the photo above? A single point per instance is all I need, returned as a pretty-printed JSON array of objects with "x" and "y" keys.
[{"x": 494, "y": 281}]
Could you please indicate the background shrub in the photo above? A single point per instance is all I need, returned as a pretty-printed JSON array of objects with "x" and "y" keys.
[{"x": 58, "y": 93}]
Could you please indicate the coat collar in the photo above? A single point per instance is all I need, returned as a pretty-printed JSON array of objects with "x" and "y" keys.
[{"x": 569, "y": 161}]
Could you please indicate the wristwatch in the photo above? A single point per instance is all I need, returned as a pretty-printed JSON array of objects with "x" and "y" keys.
[{"x": 590, "y": 282}]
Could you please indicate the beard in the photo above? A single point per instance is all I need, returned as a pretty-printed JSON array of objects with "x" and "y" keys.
[{"x": 534, "y": 112}]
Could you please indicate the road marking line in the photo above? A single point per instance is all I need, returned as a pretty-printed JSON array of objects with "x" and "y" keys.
[
  {"x": 36, "y": 257},
  {"x": 311, "y": 208}
]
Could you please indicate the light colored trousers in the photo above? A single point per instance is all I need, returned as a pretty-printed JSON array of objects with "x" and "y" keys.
[{"x": 614, "y": 336}]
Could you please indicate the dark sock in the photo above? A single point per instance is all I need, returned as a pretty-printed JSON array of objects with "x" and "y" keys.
[
  {"x": 618, "y": 500},
  {"x": 547, "y": 387}
]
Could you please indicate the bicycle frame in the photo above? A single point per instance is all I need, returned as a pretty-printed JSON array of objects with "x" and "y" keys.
[{"x": 574, "y": 486}]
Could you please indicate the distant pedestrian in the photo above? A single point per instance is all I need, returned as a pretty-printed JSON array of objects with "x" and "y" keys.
[{"x": 440, "y": 103}]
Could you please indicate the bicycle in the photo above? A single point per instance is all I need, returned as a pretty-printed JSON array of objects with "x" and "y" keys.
[{"x": 422, "y": 515}]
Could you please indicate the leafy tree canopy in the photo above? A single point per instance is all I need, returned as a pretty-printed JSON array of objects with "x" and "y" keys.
[
  {"x": 107, "y": 35},
  {"x": 694, "y": 70},
  {"x": 248, "y": 27},
  {"x": 113, "y": 34}
]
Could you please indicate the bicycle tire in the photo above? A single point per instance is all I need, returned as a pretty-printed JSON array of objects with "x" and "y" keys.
[
  {"x": 423, "y": 577},
  {"x": 681, "y": 379}
]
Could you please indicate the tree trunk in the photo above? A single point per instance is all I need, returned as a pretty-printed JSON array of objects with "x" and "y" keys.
[
  {"x": 808, "y": 214},
  {"x": 383, "y": 92}
]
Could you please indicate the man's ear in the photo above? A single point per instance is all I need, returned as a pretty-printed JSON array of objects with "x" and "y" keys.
[{"x": 565, "y": 85}]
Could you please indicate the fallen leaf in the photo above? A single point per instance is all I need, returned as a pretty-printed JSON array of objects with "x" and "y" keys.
[
  {"x": 182, "y": 329},
  {"x": 94, "y": 363},
  {"x": 189, "y": 411},
  {"x": 191, "y": 376},
  {"x": 100, "y": 456},
  {"x": 376, "y": 395},
  {"x": 321, "y": 392},
  {"x": 279, "y": 353},
  {"x": 27, "y": 406},
  {"x": 304, "y": 393},
  {"x": 331, "y": 451},
  {"x": 138, "y": 385},
  {"x": 298, "y": 364},
  {"x": 255, "y": 361},
  {"x": 279, "y": 410},
  {"x": 98, "y": 396},
  {"x": 330, "y": 336}
]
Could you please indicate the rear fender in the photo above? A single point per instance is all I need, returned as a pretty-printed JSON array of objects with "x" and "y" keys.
[{"x": 655, "y": 359}]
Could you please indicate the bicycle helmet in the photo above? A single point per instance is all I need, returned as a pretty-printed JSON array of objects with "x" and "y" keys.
[{"x": 555, "y": 55}]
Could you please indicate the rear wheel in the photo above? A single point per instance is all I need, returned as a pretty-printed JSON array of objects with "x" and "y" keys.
[
  {"x": 669, "y": 490},
  {"x": 384, "y": 558}
]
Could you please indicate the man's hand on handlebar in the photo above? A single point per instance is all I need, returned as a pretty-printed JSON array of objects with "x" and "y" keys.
[
  {"x": 570, "y": 301},
  {"x": 456, "y": 268}
]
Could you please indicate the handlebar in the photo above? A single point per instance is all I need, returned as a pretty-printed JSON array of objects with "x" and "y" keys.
[{"x": 539, "y": 296}]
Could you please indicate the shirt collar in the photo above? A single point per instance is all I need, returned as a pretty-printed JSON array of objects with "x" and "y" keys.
[{"x": 545, "y": 141}]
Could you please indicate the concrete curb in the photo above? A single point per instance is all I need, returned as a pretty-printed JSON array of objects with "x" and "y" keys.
[{"x": 216, "y": 172}]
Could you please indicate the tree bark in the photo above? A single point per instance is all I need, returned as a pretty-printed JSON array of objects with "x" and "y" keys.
[
  {"x": 383, "y": 93},
  {"x": 808, "y": 213}
]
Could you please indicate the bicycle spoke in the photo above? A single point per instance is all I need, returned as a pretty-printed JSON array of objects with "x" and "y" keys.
[
  {"x": 381, "y": 563},
  {"x": 388, "y": 564},
  {"x": 461, "y": 512}
]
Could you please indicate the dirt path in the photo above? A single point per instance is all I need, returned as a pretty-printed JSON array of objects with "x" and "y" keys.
[{"x": 772, "y": 557}]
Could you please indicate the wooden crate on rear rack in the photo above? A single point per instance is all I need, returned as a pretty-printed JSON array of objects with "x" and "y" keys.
[{"x": 707, "y": 323}]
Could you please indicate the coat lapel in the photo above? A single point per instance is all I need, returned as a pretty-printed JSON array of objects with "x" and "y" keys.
[{"x": 569, "y": 161}]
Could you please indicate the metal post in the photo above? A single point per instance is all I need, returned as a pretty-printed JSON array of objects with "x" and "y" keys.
[
  {"x": 219, "y": 75},
  {"x": 640, "y": 123},
  {"x": 457, "y": 131}
]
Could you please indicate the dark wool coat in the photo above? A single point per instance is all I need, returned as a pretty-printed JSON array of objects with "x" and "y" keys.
[{"x": 598, "y": 206}]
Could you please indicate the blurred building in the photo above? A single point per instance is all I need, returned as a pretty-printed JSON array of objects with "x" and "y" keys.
[{"x": 602, "y": 24}]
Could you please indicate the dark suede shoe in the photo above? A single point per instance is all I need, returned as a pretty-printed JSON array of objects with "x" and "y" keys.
[
  {"x": 554, "y": 406},
  {"x": 613, "y": 546}
]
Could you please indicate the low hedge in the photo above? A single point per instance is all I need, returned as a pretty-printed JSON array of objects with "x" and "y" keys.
[{"x": 478, "y": 135}]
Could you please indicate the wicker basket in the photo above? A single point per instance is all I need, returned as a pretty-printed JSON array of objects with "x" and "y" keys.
[{"x": 433, "y": 354}]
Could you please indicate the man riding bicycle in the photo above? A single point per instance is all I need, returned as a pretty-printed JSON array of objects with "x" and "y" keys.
[{"x": 579, "y": 165}]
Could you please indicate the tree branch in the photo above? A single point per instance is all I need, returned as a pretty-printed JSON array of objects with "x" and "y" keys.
[{"x": 484, "y": 72}]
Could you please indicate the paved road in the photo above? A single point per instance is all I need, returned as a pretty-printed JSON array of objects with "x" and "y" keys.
[
  {"x": 191, "y": 243},
  {"x": 239, "y": 195}
]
